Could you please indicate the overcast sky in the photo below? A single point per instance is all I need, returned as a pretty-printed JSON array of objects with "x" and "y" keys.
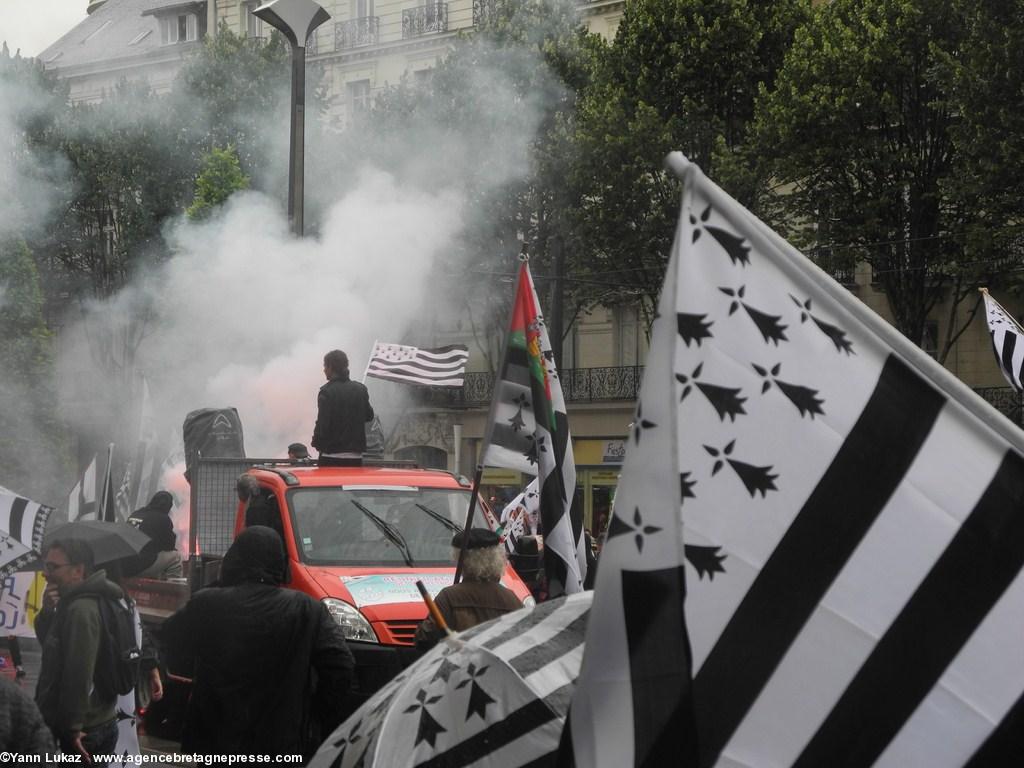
[{"x": 32, "y": 25}]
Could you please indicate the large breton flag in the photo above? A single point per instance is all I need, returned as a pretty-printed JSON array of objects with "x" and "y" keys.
[
  {"x": 22, "y": 524},
  {"x": 847, "y": 519},
  {"x": 528, "y": 430},
  {"x": 1007, "y": 341},
  {"x": 441, "y": 367}
]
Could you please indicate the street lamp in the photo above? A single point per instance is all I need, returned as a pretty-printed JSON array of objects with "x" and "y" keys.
[{"x": 296, "y": 20}]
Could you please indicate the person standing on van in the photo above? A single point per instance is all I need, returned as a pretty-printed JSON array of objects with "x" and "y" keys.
[{"x": 343, "y": 408}]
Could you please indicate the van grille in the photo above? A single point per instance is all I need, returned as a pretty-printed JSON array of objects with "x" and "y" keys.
[{"x": 402, "y": 632}]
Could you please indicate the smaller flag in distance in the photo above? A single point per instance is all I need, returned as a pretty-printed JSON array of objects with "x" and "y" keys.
[
  {"x": 1007, "y": 341},
  {"x": 441, "y": 367}
]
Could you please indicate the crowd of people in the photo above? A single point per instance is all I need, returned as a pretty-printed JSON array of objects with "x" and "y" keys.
[{"x": 270, "y": 667}]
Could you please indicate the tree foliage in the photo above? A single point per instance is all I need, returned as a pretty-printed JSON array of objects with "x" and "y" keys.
[
  {"x": 680, "y": 75},
  {"x": 869, "y": 135},
  {"x": 220, "y": 178},
  {"x": 33, "y": 444}
]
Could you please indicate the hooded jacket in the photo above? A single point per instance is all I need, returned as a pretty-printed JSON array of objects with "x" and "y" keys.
[
  {"x": 271, "y": 669},
  {"x": 154, "y": 520},
  {"x": 70, "y": 637}
]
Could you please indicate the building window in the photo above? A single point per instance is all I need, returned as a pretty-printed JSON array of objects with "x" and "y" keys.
[
  {"x": 627, "y": 335},
  {"x": 362, "y": 9},
  {"x": 253, "y": 24},
  {"x": 424, "y": 455},
  {"x": 421, "y": 77},
  {"x": 358, "y": 93},
  {"x": 179, "y": 29},
  {"x": 930, "y": 338}
]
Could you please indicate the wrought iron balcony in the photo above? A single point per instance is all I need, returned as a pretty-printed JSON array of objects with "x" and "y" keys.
[
  {"x": 432, "y": 17},
  {"x": 356, "y": 32},
  {"x": 485, "y": 11},
  {"x": 579, "y": 385},
  {"x": 1007, "y": 400}
]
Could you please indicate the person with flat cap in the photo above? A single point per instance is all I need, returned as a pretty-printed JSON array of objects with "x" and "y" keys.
[{"x": 479, "y": 597}]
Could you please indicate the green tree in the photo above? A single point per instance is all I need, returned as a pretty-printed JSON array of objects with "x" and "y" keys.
[
  {"x": 130, "y": 169},
  {"x": 32, "y": 452},
  {"x": 869, "y": 139},
  {"x": 680, "y": 75},
  {"x": 220, "y": 178},
  {"x": 235, "y": 91}
]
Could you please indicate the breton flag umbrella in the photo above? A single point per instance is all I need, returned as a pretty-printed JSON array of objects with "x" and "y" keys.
[
  {"x": 815, "y": 556},
  {"x": 22, "y": 524},
  {"x": 494, "y": 695}
]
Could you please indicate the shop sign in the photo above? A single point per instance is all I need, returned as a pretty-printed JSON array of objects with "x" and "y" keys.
[{"x": 614, "y": 452}]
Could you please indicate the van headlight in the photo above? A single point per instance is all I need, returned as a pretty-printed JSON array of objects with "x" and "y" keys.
[
  {"x": 529, "y": 602},
  {"x": 354, "y": 625}
]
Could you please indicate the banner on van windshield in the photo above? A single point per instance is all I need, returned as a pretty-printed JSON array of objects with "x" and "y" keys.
[{"x": 387, "y": 588}]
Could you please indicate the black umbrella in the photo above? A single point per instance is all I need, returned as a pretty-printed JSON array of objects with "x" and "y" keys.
[{"x": 108, "y": 541}]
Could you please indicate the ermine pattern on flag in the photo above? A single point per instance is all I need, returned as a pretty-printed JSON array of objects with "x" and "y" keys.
[
  {"x": 441, "y": 367},
  {"x": 22, "y": 524},
  {"x": 528, "y": 430},
  {"x": 844, "y": 476},
  {"x": 520, "y": 516},
  {"x": 1007, "y": 342},
  {"x": 852, "y": 526},
  {"x": 631, "y": 705},
  {"x": 465, "y": 716}
]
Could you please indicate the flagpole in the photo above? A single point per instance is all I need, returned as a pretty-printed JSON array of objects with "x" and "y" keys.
[
  {"x": 523, "y": 259},
  {"x": 101, "y": 513},
  {"x": 469, "y": 521},
  {"x": 107, "y": 480}
]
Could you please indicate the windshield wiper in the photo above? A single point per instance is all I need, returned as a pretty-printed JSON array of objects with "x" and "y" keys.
[
  {"x": 388, "y": 530},
  {"x": 440, "y": 518}
]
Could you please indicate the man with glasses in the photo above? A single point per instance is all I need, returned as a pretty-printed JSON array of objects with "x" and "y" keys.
[{"x": 81, "y": 717}]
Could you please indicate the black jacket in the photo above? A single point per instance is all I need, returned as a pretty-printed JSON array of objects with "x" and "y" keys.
[
  {"x": 271, "y": 668},
  {"x": 343, "y": 408},
  {"x": 153, "y": 520}
]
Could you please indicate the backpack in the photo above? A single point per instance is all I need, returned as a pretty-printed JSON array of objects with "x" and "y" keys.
[{"x": 117, "y": 665}]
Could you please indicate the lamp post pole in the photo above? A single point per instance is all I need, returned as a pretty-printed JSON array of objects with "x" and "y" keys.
[{"x": 296, "y": 20}]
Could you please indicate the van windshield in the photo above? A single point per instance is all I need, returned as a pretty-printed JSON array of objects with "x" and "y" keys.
[{"x": 336, "y": 526}]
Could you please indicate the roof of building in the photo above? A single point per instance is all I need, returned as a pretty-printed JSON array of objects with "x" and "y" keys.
[{"x": 118, "y": 29}]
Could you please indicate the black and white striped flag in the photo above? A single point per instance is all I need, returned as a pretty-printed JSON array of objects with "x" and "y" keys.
[
  {"x": 1007, "y": 341},
  {"x": 82, "y": 498},
  {"x": 843, "y": 517},
  {"x": 22, "y": 524},
  {"x": 441, "y": 367}
]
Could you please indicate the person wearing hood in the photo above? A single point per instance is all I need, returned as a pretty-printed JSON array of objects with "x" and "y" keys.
[
  {"x": 271, "y": 670},
  {"x": 159, "y": 558},
  {"x": 69, "y": 627}
]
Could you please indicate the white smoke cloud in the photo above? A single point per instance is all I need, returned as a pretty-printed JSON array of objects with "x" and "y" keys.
[
  {"x": 246, "y": 312},
  {"x": 242, "y": 312}
]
